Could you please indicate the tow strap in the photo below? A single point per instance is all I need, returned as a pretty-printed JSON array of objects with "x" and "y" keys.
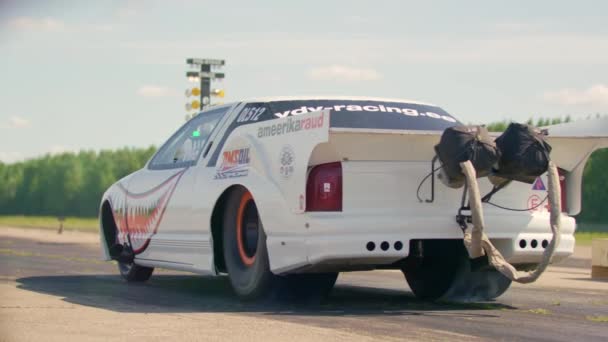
[{"x": 477, "y": 242}]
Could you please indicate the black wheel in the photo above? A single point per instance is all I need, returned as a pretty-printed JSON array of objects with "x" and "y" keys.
[
  {"x": 134, "y": 273},
  {"x": 446, "y": 273},
  {"x": 431, "y": 277},
  {"x": 477, "y": 285},
  {"x": 245, "y": 250}
]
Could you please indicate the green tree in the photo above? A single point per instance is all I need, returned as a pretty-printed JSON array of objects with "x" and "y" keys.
[{"x": 65, "y": 184}]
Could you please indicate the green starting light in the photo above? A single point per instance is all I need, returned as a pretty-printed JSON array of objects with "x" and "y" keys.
[{"x": 196, "y": 134}]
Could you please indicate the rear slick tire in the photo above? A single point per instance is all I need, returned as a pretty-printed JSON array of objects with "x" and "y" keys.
[
  {"x": 450, "y": 277},
  {"x": 134, "y": 273},
  {"x": 430, "y": 278},
  {"x": 245, "y": 249},
  {"x": 480, "y": 285}
]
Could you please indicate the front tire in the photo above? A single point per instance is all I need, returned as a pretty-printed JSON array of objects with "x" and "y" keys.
[{"x": 245, "y": 249}]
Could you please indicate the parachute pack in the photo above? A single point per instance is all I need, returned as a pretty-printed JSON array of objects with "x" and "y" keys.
[{"x": 520, "y": 154}]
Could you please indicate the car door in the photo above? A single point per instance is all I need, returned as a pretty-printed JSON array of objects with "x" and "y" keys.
[{"x": 159, "y": 197}]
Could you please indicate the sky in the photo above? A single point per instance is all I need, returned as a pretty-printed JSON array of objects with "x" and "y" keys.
[{"x": 106, "y": 74}]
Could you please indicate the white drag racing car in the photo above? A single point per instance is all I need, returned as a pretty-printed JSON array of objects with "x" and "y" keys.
[{"x": 292, "y": 191}]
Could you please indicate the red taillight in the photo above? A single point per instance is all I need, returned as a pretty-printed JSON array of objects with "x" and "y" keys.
[
  {"x": 324, "y": 188},
  {"x": 562, "y": 185}
]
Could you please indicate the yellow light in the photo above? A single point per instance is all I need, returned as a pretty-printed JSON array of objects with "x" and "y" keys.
[
  {"x": 195, "y": 104},
  {"x": 195, "y": 92},
  {"x": 218, "y": 92}
]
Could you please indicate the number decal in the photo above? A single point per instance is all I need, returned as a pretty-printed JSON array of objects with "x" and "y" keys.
[
  {"x": 250, "y": 114},
  {"x": 258, "y": 113}
]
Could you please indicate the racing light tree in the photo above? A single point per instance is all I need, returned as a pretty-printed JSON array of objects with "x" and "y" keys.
[{"x": 204, "y": 76}]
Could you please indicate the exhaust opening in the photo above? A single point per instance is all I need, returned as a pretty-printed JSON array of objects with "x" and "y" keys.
[
  {"x": 545, "y": 243},
  {"x": 534, "y": 243},
  {"x": 398, "y": 245},
  {"x": 370, "y": 246},
  {"x": 384, "y": 245}
]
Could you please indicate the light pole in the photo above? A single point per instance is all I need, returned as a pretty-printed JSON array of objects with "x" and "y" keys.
[{"x": 204, "y": 76}]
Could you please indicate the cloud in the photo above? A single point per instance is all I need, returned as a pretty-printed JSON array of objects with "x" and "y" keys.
[
  {"x": 343, "y": 73},
  {"x": 154, "y": 91},
  {"x": 596, "y": 95},
  {"x": 126, "y": 13},
  {"x": 18, "y": 122},
  {"x": 517, "y": 27},
  {"x": 103, "y": 28},
  {"x": 38, "y": 24},
  {"x": 10, "y": 157}
]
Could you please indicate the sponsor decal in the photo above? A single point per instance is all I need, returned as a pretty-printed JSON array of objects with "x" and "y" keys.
[
  {"x": 250, "y": 114},
  {"x": 396, "y": 108},
  {"x": 344, "y": 114},
  {"x": 533, "y": 202},
  {"x": 538, "y": 184},
  {"x": 291, "y": 125},
  {"x": 235, "y": 163},
  {"x": 287, "y": 159}
]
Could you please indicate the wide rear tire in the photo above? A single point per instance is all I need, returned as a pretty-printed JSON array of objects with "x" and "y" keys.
[
  {"x": 134, "y": 273},
  {"x": 446, "y": 274},
  {"x": 245, "y": 249},
  {"x": 479, "y": 285},
  {"x": 430, "y": 277},
  {"x": 247, "y": 262}
]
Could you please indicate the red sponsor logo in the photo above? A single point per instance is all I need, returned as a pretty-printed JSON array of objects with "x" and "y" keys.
[{"x": 533, "y": 203}]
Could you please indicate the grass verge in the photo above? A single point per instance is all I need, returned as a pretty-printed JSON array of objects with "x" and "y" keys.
[
  {"x": 601, "y": 319},
  {"x": 50, "y": 222},
  {"x": 584, "y": 238}
]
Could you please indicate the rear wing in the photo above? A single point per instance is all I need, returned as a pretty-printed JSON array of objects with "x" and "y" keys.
[{"x": 572, "y": 144}]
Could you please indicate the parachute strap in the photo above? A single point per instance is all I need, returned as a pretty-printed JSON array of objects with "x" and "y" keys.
[{"x": 478, "y": 244}]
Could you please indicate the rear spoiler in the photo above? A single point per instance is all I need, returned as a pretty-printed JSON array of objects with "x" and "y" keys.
[{"x": 572, "y": 143}]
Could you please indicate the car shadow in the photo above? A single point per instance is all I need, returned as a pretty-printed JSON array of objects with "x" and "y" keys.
[{"x": 185, "y": 293}]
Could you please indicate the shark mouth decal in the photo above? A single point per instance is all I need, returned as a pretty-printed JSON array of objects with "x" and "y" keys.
[{"x": 139, "y": 214}]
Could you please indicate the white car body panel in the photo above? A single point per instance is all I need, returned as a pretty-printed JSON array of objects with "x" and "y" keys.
[{"x": 169, "y": 211}]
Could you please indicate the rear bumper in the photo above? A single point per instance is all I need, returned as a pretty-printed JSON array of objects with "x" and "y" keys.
[{"x": 335, "y": 239}]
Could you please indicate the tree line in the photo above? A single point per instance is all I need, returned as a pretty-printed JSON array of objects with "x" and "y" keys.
[
  {"x": 71, "y": 184},
  {"x": 67, "y": 184}
]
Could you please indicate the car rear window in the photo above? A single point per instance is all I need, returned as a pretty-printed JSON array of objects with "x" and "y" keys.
[{"x": 370, "y": 114}]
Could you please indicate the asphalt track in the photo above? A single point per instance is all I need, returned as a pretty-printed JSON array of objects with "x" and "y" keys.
[{"x": 61, "y": 291}]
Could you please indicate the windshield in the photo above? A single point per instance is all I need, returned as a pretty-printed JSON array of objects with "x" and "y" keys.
[{"x": 185, "y": 146}]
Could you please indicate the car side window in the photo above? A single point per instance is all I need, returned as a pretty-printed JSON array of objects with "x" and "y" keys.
[{"x": 185, "y": 146}]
